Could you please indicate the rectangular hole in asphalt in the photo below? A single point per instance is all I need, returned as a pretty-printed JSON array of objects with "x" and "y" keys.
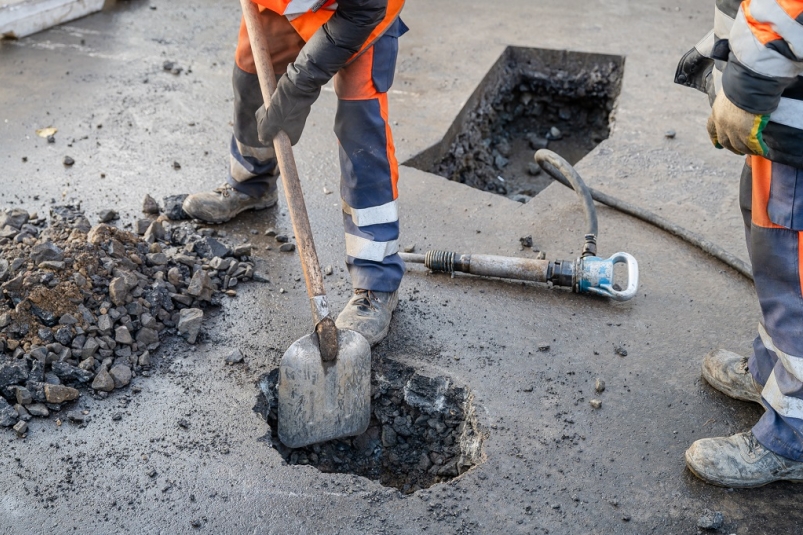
[{"x": 530, "y": 99}]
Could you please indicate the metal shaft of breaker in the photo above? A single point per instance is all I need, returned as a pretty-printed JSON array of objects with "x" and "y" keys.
[
  {"x": 484, "y": 265},
  {"x": 503, "y": 267}
]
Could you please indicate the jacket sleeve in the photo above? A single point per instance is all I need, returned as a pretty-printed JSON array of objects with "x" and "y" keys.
[
  {"x": 766, "y": 53},
  {"x": 333, "y": 45}
]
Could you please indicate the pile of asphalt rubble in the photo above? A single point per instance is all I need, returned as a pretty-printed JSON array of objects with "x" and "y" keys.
[
  {"x": 423, "y": 431},
  {"x": 83, "y": 308}
]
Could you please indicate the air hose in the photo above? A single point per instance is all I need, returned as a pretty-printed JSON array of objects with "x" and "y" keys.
[{"x": 562, "y": 171}]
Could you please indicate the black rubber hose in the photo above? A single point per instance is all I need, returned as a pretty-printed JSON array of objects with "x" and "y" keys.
[
  {"x": 644, "y": 215},
  {"x": 563, "y": 172}
]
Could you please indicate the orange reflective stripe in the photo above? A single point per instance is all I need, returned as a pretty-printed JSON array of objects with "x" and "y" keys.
[
  {"x": 793, "y": 8},
  {"x": 800, "y": 259},
  {"x": 277, "y": 6},
  {"x": 762, "y": 181},
  {"x": 391, "y": 148},
  {"x": 762, "y": 30},
  {"x": 309, "y": 23},
  {"x": 355, "y": 81}
]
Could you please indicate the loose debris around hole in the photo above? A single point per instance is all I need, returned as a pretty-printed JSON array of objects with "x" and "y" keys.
[
  {"x": 83, "y": 308},
  {"x": 530, "y": 99},
  {"x": 423, "y": 431}
]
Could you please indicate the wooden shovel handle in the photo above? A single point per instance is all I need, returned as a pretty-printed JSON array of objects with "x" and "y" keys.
[{"x": 324, "y": 326}]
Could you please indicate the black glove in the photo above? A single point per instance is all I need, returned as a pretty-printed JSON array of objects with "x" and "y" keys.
[{"x": 288, "y": 111}]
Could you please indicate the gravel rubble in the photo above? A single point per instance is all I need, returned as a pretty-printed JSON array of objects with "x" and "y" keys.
[{"x": 83, "y": 309}]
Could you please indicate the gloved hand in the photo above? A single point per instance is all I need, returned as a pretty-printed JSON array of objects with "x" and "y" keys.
[
  {"x": 288, "y": 111},
  {"x": 735, "y": 129}
]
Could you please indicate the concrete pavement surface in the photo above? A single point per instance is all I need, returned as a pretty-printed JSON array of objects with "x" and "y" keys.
[{"x": 553, "y": 464}]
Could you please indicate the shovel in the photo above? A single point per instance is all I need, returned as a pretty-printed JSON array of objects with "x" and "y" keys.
[{"x": 324, "y": 386}]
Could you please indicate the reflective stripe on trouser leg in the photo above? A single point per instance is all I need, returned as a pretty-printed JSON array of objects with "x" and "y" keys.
[
  {"x": 252, "y": 170},
  {"x": 777, "y": 361},
  {"x": 369, "y": 174}
]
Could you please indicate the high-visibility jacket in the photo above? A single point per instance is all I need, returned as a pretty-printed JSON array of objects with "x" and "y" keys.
[
  {"x": 307, "y": 16},
  {"x": 755, "y": 55}
]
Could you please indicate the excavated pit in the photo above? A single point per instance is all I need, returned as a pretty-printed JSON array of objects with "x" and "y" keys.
[
  {"x": 423, "y": 431},
  {"x": 530, "y": 99}
]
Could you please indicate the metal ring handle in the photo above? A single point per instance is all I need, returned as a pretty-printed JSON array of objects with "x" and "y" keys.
[{"x": 632, "y": 277}]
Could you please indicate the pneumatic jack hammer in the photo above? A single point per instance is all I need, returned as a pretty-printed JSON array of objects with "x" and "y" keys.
[{"x": 588, "y": 274}]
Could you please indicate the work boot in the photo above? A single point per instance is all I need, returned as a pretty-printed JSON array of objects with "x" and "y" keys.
[
  {"x": 727, "y": 372},
  {"x": 368, "y": 313},
  {"x": 225, "y": 202},
  {"x": 740, "y": 461}
]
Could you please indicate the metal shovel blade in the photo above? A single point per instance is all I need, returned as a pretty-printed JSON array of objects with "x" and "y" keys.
[{"x": 320, "y": 401}]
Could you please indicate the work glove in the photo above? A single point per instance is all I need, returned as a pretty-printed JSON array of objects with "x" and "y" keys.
[
  {"x": 735, "y": 129},
  {"x": 288, "y": 111}
]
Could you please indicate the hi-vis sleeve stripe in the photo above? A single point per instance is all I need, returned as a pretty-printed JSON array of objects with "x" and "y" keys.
[
  {"x": 297, "y": 7},
  {"x": 782, "y": 23},
  {"x": 789, "y": 112},
  {"x": 376, "y": 251},
  {"x": 783, "y": 404},
  {"x": 376, "y": 215},
  {"x": 722, "y": 24},
  {"x": 754, "y": 55},
  {"x": 792, "y": 364}
]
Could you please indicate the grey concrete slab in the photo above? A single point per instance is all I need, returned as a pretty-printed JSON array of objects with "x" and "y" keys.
[{"x": 553, "y": 464}]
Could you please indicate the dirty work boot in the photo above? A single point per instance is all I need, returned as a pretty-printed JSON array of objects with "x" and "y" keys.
[
  {"x": 368, "y": 313},
  {"x": 225, "y": 202},
  {"x": 740, "y": 461},
  {"x": 727, "y": 372}
]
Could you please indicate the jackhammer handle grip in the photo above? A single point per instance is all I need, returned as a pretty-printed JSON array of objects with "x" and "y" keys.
[{"x": 632, "y": 277}]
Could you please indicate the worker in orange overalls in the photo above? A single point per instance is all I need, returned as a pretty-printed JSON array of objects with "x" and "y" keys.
[
  {"x": 312, "y": 41},
  {"x": 751, "y": 66}
]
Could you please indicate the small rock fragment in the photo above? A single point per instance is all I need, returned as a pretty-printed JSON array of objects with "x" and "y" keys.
[
  {"x": 554, "y": 133},
  {"x": 173, "y": 209},
  {"x": 243, "y": 249},
  {"x": 21, "y": 428},
  {"x": 121, "y": 375},
  {"x": 38, "y": 409},
  {"x": 59, "y": 393},
  {"x": 118, "y": 291},
  {"x": 236, "y": 356},
  {"x": 622, "y": 352},
  {"x": 599, "y": 385},
  {"x": 150, "y": 206},
  {"x": 670, "y": 134},
  {"x": 710, "y": 520},
  {"x": 8, "y": 415},
  {"x": 123, "y": 336},
  {"x": 287, "y": 247},
  {"x": 189, "y": 323},
  {"x": 68, "y": 161},
  {"x": 106, "y": 216},
  {"x": 595, "y": 403}
]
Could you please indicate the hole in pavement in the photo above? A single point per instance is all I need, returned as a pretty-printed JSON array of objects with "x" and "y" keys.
[
  {"x": 423, "y": 431},
  {"x": 531, "y": 98}
]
